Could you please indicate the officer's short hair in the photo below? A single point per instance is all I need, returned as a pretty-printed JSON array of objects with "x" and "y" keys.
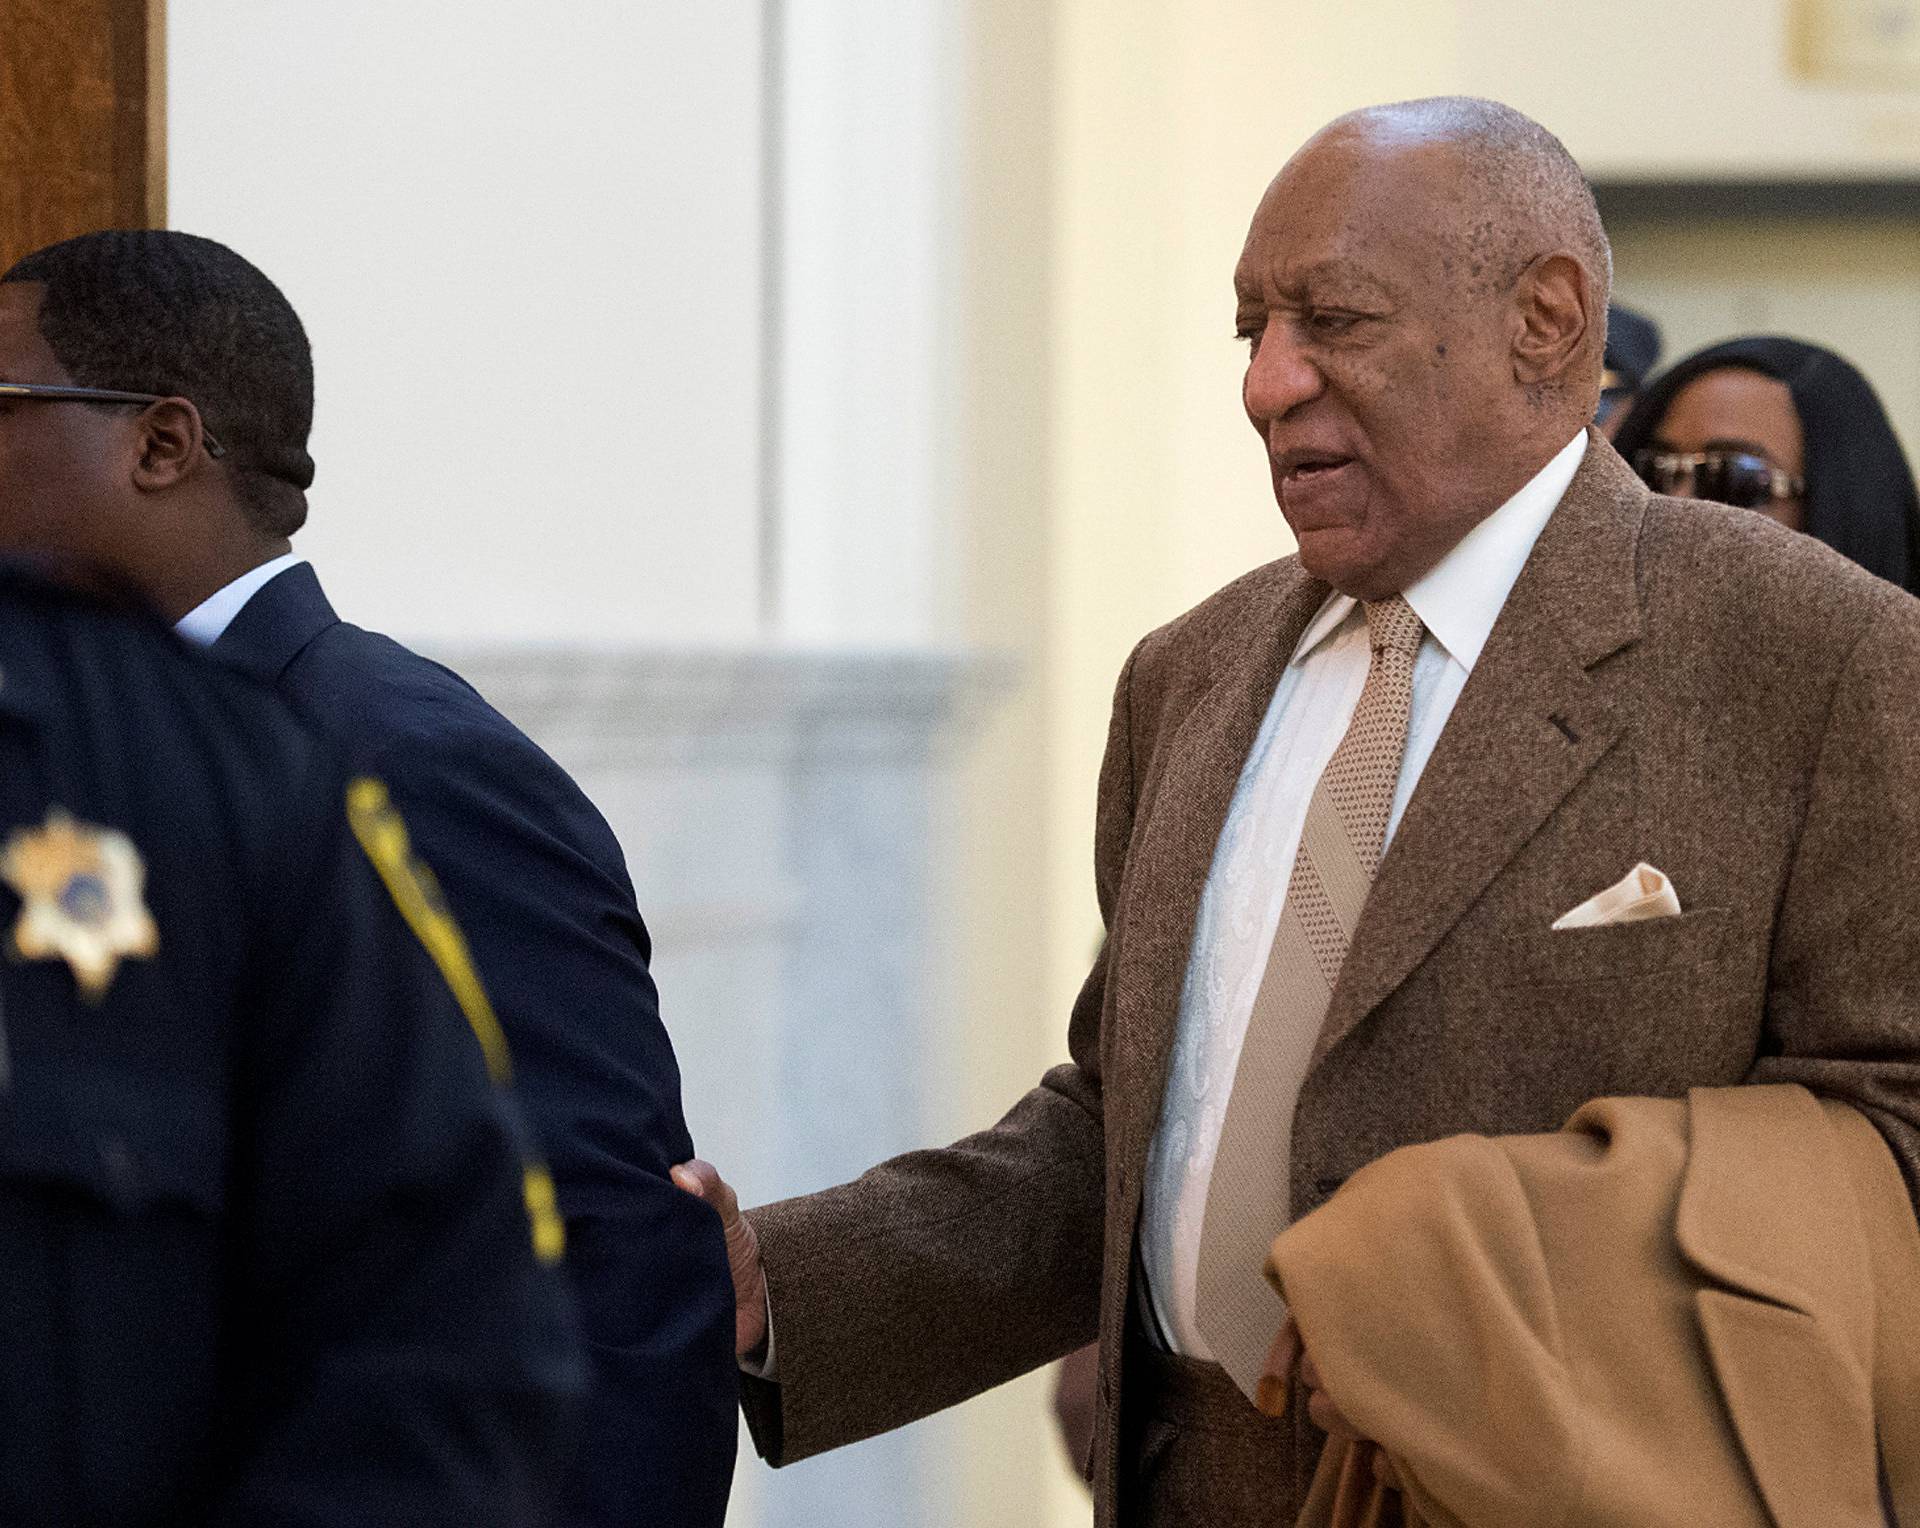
[{"x": 152, "y": 311}]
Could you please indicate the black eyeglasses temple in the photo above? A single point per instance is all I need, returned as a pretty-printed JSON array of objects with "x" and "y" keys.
[{"x": 56, "y": 393}]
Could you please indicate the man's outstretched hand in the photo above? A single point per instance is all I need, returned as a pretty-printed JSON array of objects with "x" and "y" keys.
[{"x": 703, "y": 1181}]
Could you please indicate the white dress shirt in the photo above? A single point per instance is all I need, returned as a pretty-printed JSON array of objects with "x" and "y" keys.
[
  {"x": 208, "y": 620},
  {"x": 1458, "y": 602}
]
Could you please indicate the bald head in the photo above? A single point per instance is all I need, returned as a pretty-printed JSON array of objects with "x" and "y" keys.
[
  {"x": 1424, "y": 286},
  {"x": 1522, "y": 195}
]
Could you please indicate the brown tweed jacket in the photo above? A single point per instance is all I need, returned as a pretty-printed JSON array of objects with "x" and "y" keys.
[{"x": 1668, "y": 681}]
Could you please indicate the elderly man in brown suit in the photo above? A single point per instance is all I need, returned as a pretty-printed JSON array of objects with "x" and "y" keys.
[{"x": 1344, "y": 804}]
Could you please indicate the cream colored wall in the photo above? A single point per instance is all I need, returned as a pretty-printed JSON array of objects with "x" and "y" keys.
[
  {"x": 1650, "y": 88},
  {"x": 525, "y": 240},
  {"x": 1002, "y": 1032}
]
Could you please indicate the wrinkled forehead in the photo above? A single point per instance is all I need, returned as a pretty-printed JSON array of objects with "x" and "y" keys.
[{"x": 1349, "y": 207}]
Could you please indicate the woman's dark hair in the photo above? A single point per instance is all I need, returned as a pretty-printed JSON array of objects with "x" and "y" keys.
[
  {"x": 1860, "y": 496},
  {"x": 152, "y": 311}
]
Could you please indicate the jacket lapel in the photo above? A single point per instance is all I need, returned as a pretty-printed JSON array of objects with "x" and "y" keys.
[
  {"x": 1531, "y": 721},
  {"x": 1765, "y": 1213},
  {"x": 275, "y": 626},
  {"x": 1169, "y": 866}
]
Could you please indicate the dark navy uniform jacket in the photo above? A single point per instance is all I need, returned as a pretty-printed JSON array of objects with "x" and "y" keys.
[
  {"x": 538, "y": 882},
  {"x": 265, "y": 1250}
]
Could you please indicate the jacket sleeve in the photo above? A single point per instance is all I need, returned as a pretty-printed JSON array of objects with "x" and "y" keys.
[
  {"x": 1843, "y": 1001},
  {"x": 537, "y": 882},
  {"x": 878, "y": 1287},
  {"x": 406, "y": 1354}
]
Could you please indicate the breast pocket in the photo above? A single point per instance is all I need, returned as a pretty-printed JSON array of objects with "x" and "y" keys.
[
  {"x": 1615, "y": 951},
  {"x": 111, "y": 1208}
]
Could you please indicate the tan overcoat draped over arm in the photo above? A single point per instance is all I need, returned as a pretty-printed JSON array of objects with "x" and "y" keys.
[{"x": 1672, "y": 1314}]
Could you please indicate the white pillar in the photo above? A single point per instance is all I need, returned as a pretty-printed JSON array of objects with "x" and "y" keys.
[{"x": 867, "y": 366}]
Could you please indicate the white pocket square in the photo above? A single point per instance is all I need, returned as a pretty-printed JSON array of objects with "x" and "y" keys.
[{"x": 1641, "y": 893}]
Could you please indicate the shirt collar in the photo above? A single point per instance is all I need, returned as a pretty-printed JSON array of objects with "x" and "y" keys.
[
  {"x": 205, "y": 623},
  {"x": 1461, "y": 596}
]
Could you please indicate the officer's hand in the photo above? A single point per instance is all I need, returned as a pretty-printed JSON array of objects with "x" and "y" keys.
[{"x": 703, "y": 1181}]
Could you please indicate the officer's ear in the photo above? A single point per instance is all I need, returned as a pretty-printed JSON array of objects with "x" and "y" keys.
[{"x": 173, "y": 445}]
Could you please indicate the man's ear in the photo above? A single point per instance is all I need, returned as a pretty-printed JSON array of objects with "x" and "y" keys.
[
  {"x": 1551, "y": 301},
  {"x": 171, "y": 445}
]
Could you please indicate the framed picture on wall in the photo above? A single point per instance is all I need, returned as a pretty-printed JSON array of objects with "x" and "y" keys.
[{"x": 1873, "y": 44}]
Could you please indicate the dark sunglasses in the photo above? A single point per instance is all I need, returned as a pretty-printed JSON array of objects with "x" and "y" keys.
[
  {"x": 1738, "y": 478},
  {"x": 44, "y": 392}
]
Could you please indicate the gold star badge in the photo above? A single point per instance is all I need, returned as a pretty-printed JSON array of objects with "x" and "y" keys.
[{"x": 82, "y": 888}]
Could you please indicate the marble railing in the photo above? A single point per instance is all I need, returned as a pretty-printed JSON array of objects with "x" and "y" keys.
[{"x": 777, "y": 810}]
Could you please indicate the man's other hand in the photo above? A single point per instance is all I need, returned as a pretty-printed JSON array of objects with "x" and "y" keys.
[
  {"x": 703, "y": 1181},
  {"x": 1271, "y": 1394}
]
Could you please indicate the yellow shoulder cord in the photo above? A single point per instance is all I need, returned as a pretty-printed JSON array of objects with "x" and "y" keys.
[{"x": 382, "y": 833}]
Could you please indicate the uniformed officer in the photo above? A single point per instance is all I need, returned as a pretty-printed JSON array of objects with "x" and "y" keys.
[
  {"x": 156, "y": 392},
  {"x": 270, "y": 1251}
]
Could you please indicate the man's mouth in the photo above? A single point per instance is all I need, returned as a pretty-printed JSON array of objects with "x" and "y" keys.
[{"x": 1303, "y": 466}]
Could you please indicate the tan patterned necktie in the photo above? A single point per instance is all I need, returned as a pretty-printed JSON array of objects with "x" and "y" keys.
[{"x": 1247, "y": 1196}]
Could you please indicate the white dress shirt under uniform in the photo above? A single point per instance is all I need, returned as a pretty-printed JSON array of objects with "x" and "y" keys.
[
  {"x": 208, "y": 620},
  {"x": 1458, "y": 602}
]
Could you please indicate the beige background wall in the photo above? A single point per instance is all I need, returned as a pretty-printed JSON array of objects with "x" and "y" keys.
[
  {"x": 1004, "y": 1029},
  {"x": 526, "y": 242},
  {"x": 1645, "y": 88}
]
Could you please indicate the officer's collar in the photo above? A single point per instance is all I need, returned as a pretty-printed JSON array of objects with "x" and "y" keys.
[{"x": 276, "y": 623}]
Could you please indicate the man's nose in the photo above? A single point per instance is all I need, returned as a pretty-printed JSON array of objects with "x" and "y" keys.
[{"x": 1280, "y": 376}]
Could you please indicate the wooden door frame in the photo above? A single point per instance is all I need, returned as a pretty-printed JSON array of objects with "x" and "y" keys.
[
  {"x": 140, "y": 112},
  {"x": 83, "y": 124},
  {"x": 144, "y": 24}
]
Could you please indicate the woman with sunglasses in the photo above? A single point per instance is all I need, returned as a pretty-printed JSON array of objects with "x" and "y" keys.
[{"x": 1790, "y": 430}]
